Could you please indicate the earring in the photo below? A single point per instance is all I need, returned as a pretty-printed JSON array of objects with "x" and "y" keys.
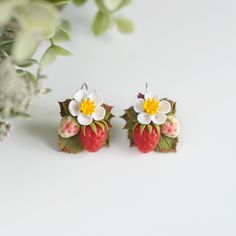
[
  {"x": 152, "y": 124},
  {"x": 85, "y": 122}
]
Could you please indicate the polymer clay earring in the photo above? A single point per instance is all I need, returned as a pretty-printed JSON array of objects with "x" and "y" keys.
[
  {"x": 85, "y": 123},
  {"x": 152, "y": 124}
]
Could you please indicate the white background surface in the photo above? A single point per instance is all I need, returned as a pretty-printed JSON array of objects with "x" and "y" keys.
[{"x": 186, "y": 50}]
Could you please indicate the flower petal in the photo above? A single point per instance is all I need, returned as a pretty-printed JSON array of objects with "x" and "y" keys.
[
  {"x": 99, "y": 114},
  {"x": 150, "y": 95},
  {"x": 139, "y": 106},
  {"x": 144, "y": 118},
  {"x": 74, "y": 108},
  {"x": 97, "y": 98},
  {"x": 159, "y": 118},
  {"x": 83, "y": 119},
  {"x": 165, "y": 106},
  {"x": 80, "y": 95}
]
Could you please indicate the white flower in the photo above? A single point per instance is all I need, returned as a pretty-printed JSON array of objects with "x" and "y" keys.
[
  {"x": 152, "y": 109},
  {"x": 87, "y": 107}
]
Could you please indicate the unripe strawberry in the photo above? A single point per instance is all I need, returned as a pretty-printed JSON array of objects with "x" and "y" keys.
[
  {"x": 93, "y": 141},
  {"x": 171, "y": 127},
  {"x": 146, "y": 141},
  {"x": 68, "y": 127}
]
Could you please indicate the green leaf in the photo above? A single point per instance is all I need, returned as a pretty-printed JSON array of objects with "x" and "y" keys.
[
  {"x": 61, "y": 2},
  {"x": 125, "y": 25},
  {"x": 21, "y": 115},
  {"x": 6, "y": 9},
  {"x": 142, "y": 127},
  {"x": 132, "y": 115},
  {"x": 93, "y": 127},
  {"x": 28, "y": 63},
  {"x": 51, "y": 54},
  {"x": 129, "y": 125},
  {"x": 20, "y": 72},
  {"x": 125, "y": 3},
  {"x": 61, "y": 36},
  {"x": 70, "y": 145},
  {"x": 79, "y": 2},
  {"x": 48, "y": 57},
  {"x": 108, "y": 123},
  {"x": 102, "y": 22},
  {"x": 64, "y": 107},
  {"x": 31, "y": 77},
  {"x": 61, "y": 51},
  {"x": 110, "y": 6},
  {"x": 24, "y": 47},
  {"x": 166, "y": 144},
  {"x": 107, "y": 142},
  {"x": 45, "y": 90},
  {"x": 149, "y": 128},
  {"x": 108, "y": 111},
  {"x": 131, "y": 137},
  {"x": 39, "y": 18}
]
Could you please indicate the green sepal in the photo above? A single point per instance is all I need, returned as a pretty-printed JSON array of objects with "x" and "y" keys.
[
  {"x": 105, "y": 123},
  {"x": 83, "y": 129},
  {"x": 149, "y": 128},
  {"x": 70, "y": 145},
  {"x": 100, "y": 124},
  {"x": 166, "y": 144},
  {"x": 157, "y": 127},
  {"x": 93, "y": 127},
  {"x": 142, "y": 127}
]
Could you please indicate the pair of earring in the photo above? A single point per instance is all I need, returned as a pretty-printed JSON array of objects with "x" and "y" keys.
[{"x": 86, "y": 122}]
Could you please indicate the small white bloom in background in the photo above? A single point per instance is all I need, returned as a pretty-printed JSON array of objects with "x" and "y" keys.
[
  {"x": 151, "y": 109},
  {"x": 87, "y": 107}
]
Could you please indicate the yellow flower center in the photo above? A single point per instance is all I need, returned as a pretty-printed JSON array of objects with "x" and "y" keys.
[
  {"x": 87, "y": 107},
  {"x": 151, "y": 106}
]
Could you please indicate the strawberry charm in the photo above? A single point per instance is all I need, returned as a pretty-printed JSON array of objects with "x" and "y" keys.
[
  {"x": 85, "y": 123},
  {"x": 152, "y": 124}
]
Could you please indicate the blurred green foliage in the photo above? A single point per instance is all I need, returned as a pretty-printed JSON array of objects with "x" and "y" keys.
[{"x": 24, "y": 25}]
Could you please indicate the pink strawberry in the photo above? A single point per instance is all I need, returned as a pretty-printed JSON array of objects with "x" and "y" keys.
[
  {"x": 146, "y": 141},
  {"x": 68, "y": 127},
  {"x": 92, "y": 141},
  {"x": 171, "y": 127}
]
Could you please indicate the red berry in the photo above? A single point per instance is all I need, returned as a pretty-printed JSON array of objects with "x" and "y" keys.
[
  {"x": 92, "y": 141},
  {"x": 146, "y": 142}
]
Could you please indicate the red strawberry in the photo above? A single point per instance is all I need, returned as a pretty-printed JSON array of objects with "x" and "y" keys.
[
  {"x": 92, "y": 141},
  {"x": 145, "y": 141}
]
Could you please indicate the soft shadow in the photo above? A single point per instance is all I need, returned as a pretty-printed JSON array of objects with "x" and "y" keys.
[{"x": 44, "y": 131}]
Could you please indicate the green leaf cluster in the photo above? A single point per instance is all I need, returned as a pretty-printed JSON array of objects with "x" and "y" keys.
[
  {"x": 105, "y": 17},
  {"x": 51, "y": 54}
]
